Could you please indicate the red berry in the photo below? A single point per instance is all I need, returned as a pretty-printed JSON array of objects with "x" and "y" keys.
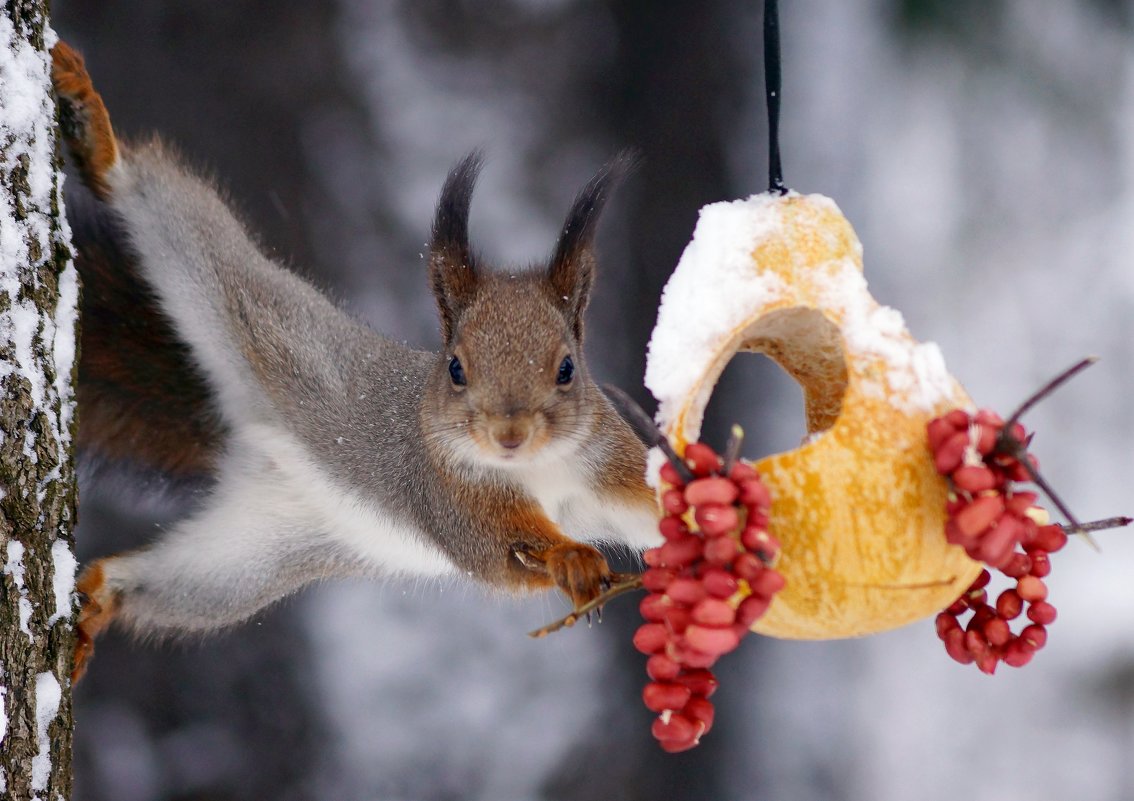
[
  {"x": 982, "y": 580},
  {"x": 1042, "y": 612},
  {"x": 710, "y": 639},
  {"x": 742, "y": 472},
  {"x": 754, "y": 494},
  {"x": 674, "y": 727},
  {"x": 714, "y": 490},
  {"x": 974, "y": 478},
  {"x": 682, "y": 552},
  {"x": 660, "y": 696},
  {"x": 651, "y": 638},
  {"x": 700, "y": 710},
  {"x": 938, "y": 431},
  {"x": 1041, "y": 564},
  {"x": 1031, "y": 589},
  {"x": 1018, "y": 566},
  {"x": 1009, "y": 605},
  {"x": 652, "y": 557},
  {"x": 719, "y": 583},
  {"x": 686, "y": 591},
  {"x": 673, "y": 501},
  {"x": 756, "y": 538},
  {"x": 979, "y": 515},
  {"x": 701, "y": 682},
  {"x": 752, "y": 609},
  {"x": 1034, "y": 636},
  {"x": 975, "y": 642},
  {"x": 987, "y": 662},
  {"x": 676, "y": 747},
  {"x": 1017, "y": 653},
  {"x": 747, "y": 566},
  {"x": 660, "y": 667},
  {"x": 676, "y": 619},
  {"x": 653, "y": 606},
  {"x": 999, "y": 542},
  {"x": 714, "y": 612},
  {"x": 996, "y": 631},
  {"x": 720, "y": 550},
  {"x": 960, "y": 419},
  {"x": 948, "y": 457},
  {"x": 656, "y": 579},
  {"x": 716, "y": 520},
  {"x": 767, "y": 583},
  {"x": 955, "y": 647},
  {"x": 1018, "y": 503},
  {"x": 945, "y": 623},
  {"x": 673, "y": 527},
  {"x": 958, "y": 607},
  {"x": 670, "y": 475},
  {"x": 690, "y": 657},
  {"x": 1050, "y": 538},
  {"x": 702, "y": 459}
]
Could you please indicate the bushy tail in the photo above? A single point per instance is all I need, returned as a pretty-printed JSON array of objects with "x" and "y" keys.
[{"x": 141, "y": 400}]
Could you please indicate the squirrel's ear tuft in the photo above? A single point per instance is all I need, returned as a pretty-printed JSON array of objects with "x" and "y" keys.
[
  {"x": 572, "y": 267},
  {"x": 452, "y": 269}
]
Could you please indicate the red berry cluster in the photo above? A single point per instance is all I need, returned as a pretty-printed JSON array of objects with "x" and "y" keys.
[
  {"x": 709, "y": 581},
  {"x": 1000, "y": 526}
]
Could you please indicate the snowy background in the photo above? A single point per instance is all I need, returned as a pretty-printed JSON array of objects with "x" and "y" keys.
[{"x": 983, "y": 150}]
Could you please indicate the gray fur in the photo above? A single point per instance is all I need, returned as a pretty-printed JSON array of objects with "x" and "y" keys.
[{"x": 337, "y": 430}]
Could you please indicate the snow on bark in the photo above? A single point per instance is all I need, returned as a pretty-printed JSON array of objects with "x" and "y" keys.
[{"x": 38, "y": 316}]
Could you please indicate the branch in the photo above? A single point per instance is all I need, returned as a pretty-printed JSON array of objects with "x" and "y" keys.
[{"x": 624, "y": 583}]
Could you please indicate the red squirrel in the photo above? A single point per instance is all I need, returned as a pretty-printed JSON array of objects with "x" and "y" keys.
[{"x": 337, "y": 451}]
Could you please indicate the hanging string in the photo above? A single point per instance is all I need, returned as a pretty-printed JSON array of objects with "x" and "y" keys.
[{"x": 772, "y": 81}]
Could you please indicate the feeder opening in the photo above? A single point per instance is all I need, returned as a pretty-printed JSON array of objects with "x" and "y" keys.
[{"x": 809, "y": 348}]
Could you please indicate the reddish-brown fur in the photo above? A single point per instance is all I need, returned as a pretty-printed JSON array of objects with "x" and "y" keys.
[{"x": 84, "y": 118}]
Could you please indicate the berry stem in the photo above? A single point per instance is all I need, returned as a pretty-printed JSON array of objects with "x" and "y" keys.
[
  {"x": 1008, "y": 444},
  {"x": 1100, "y": 525},
  {"x": 647, "y": 429},
  {"x": 1046, "y": 390},
  {"x": 732, "y": 449},
  {"x": 623, "y": 583}
]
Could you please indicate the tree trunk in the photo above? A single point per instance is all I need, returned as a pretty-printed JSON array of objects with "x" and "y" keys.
[{"x": 38, "y": 294}]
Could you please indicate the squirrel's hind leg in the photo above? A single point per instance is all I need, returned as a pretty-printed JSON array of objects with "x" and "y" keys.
[
  {"x": 252, "y": 545},
  {"x": 83, "y": 119}
]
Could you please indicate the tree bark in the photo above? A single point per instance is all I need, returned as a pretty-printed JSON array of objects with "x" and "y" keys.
[{"x": 38, "y": 298}]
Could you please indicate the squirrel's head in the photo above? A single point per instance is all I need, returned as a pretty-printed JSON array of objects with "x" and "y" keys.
[{"x": 512, "y": 385}]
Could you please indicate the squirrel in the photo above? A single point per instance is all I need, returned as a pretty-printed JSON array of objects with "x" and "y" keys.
[{"x": 337, "y": 451}]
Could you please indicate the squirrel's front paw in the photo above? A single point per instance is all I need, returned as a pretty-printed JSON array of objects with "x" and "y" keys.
[
  {"x": 100, "y": 604},
  {"x": 579, "y": 570}
]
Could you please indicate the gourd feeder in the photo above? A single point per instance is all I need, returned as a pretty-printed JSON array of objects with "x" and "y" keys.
[{"x": 859, "y": 507}]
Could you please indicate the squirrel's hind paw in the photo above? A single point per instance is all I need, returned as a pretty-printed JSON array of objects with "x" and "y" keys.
[
  {"x": 83, "y": 119},
  {"x": 100, "y": 604}
]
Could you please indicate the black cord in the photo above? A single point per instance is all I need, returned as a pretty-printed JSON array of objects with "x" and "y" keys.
[{"x": 772, "y": 82}]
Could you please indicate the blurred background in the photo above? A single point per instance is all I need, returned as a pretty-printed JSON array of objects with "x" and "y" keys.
[{"x": 983, "y": 150}]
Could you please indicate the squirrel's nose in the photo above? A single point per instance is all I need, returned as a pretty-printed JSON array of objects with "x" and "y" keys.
[{"x": 510, "y": 433}]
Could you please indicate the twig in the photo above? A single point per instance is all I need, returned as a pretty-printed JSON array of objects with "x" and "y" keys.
[
  {"x": 732, "y": 449},
  {"x": 624, "y": 583},
  {"x": 1098, "y": 525},
  {"x": 647, "y": 429},
  {"x": 1008, "y": 444},
  {"x": 1049, "y": 388}
]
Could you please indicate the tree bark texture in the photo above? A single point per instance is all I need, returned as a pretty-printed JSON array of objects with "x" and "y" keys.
[{"x": 38, "y": 295}]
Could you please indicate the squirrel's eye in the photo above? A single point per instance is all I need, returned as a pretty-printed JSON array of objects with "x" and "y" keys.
[
  {"x": 566, "y": 371},
  {"x": 457, "y": 372}
]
